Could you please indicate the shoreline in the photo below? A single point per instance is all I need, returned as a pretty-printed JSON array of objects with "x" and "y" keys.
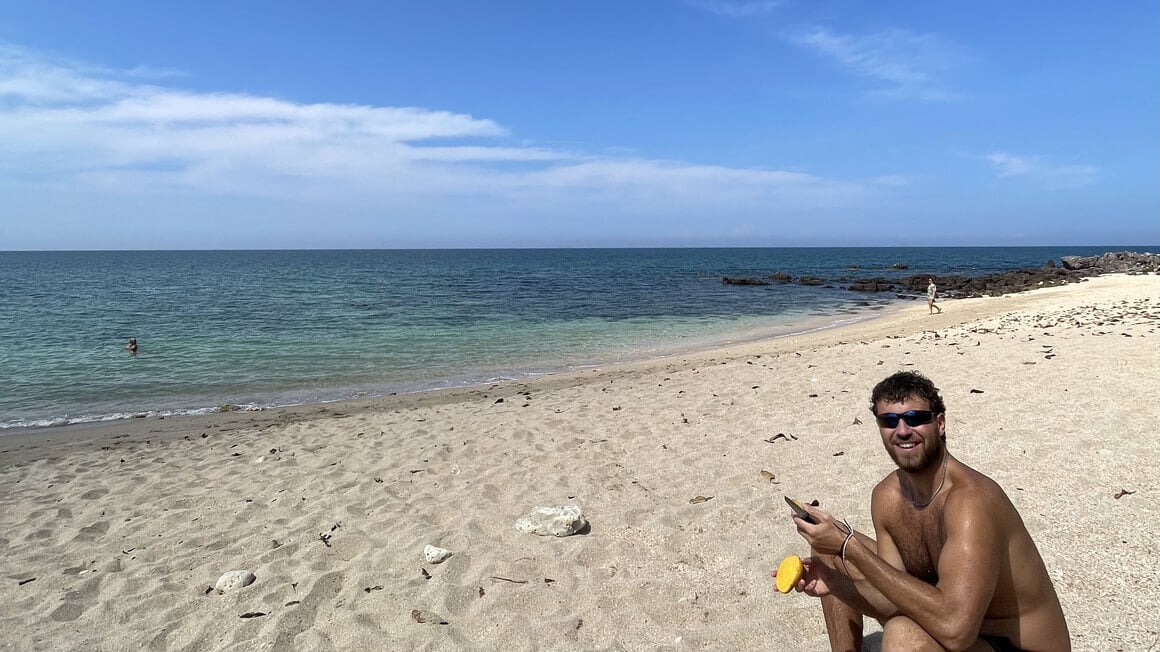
[
  {"x": 402, "y": 321},
  {"x": 807, "y": 324},
  {"x": 908, "y": 314},
  {"x": 359, "y": 343},
  {"x": 330, "y": 506}
]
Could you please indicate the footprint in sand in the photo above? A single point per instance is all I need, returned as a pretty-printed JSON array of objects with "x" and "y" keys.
[
  {"x": 42, "y": 533},
  {"x": 91, "y": 532},
  {"x": 75, "y": 602},
  {"x": 67, "y": 612}
]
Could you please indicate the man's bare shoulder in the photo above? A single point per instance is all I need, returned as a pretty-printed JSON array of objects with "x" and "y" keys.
[
  {"x": 887, "y": 484},
  {"x": 971, "y": 490},
  {"x": 886, "y": 496},
  {"x": 968, "y": 492}
]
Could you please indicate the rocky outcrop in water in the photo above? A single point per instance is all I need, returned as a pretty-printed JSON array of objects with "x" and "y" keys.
[
  {"x": 743, "y": 280},
  {"x": 1073, "y": 268},
  {"x": 1114, "y": 262}
]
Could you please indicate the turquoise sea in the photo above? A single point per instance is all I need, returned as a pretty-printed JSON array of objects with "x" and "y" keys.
[{"x": 263, "y": 328}]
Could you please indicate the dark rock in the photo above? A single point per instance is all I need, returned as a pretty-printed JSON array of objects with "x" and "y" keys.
[
  {"x": 993, "y": 285},
  {"x": 1074, "y": 268},
  {"x": 738, "y": 280},
  {"x": 1114, "y": 262},
  {"x": 900, "y": 266},
  {"x": 872, "y": 285}
]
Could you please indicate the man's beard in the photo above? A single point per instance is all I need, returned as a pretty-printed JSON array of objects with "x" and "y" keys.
[{"x": 931, "y": 449}]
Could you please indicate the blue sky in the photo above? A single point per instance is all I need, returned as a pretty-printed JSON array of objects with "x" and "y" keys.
[{"x": 239, "y": 125}]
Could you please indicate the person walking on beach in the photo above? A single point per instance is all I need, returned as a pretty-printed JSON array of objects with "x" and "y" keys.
[
  {"x": 931, "y": 292},
  {"x": 953, "y": 568},
  {"x": 131, "y": 347}
]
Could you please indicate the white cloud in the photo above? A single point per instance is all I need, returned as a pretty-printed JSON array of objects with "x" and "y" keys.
[
  {"x": 1008, "y": 165},
  {"x": 736, "y": 8},
  {"x": 642, "y": 185},
  {"x": 1035, "y": 167},
  {"x": 1072, "y": 176},
  {"x": 79, "y": 127},
  {"x": 905, "y": 65},
  {"x": 891, "y": 180}
]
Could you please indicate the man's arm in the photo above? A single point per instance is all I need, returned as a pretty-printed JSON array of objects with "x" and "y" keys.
[
  {"x": 850, "y": 586},
  {"x": 857, "y": 591},
  {"x": 968, "y": 570},
  {"x": 843, "y": 579}
]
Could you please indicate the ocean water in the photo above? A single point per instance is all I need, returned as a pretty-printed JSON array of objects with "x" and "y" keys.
[{"x": 264, "y": 328}]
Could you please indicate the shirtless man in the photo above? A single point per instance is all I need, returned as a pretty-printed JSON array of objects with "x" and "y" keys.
[{"x": 953, "y": 568}]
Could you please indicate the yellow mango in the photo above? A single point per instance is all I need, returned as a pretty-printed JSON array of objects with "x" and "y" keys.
[{"x": 789, "y": 572}]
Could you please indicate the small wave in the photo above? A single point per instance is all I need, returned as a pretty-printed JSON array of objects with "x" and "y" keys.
[{"x": 53, "y": 422}]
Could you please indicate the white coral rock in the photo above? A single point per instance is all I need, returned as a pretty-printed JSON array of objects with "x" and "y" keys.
[{"x": 556, "y": 521}]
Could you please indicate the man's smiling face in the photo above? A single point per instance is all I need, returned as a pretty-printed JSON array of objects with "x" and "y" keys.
[{"x": 914, "y": 448}]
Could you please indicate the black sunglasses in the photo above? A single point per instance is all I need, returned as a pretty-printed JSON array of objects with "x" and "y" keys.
[{"x": 911, "y": 417}]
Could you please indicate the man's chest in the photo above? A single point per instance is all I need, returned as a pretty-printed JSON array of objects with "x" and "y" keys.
[{"x": 919, "y": 539}]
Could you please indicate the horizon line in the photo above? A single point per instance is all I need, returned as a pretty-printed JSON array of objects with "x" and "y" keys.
[{"x": 1121, "y": 247}]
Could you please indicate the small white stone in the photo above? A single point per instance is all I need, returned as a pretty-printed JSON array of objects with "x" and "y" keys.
[
  {"x": 234, "y": 580},
  {"x": 556, "y": 521},
  {"x": 435, "y": 555}
]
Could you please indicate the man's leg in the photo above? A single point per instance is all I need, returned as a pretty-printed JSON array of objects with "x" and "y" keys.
[
  {"x": 843, "y": 622},
  {"x": 902, "y": 633},
  {"x": 844, "y": 619},
  {"x": 843, "y": 625}
]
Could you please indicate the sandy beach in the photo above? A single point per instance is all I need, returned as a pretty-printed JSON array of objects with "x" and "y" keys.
[{"x": 114, "y": 534}]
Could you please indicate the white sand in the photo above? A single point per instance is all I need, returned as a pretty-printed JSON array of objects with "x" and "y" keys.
[{"x": 124, "y": 526}]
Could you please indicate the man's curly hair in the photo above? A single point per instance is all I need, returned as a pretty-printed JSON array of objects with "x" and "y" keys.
[{"x": 904, "y": 385}]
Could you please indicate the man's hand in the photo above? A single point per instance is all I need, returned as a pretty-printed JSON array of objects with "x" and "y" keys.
[
  {"x": 815, "y": 580},
  {"x": 826, "y": 537}
]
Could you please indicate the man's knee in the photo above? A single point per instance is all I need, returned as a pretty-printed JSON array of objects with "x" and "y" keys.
[{"x": 902, "y": 633}]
